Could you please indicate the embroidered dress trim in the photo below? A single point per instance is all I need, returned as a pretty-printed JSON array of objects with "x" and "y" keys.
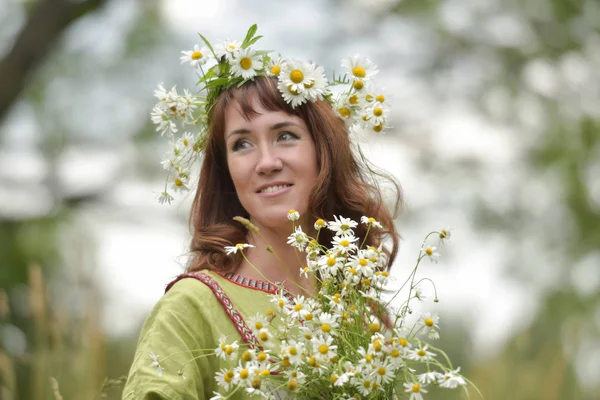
[
  {"x": 257, "y": 284},
  {"x": 235, "y": 317}
]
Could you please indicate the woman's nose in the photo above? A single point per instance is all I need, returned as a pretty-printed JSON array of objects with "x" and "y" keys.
[{"x": 268, "y": 162}]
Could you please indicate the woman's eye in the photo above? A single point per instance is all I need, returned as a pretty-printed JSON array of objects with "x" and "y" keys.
[
  {"x": 287, "y": 136},
  {"x": 240, "y": 145}
]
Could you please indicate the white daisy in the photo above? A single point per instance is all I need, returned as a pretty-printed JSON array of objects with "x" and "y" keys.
[
  {"x": 451, "y": 379},
  {"x": 156, "y": 363},
  {"x": 291, "y": 96},
  {"x": 225, "y": 378},
  {"x": 165, "y": 197},
  {"x": 429, "y": 377},
  {"x": 246, "y": 63},
  {"x": 258, "y": 322},
  {"x": 344, "y": 244},
  {"x": 296, "y": 75},
  {"x": 361, "y": 68},
  {"x": 236, "y": 248},
  {"x": 318, "y": 88},
  {"x": 329, "y": 264},
  {"x": 415, "y": 390},
  {"x": 420, "y": 354},
  {"x": 196, "y": 57},
  {"x": 227, "y": 48},
  {"x": 370, "y": 221},
  {"x": 377, "y": 114},
  {"x": 323, "y": 348},
  {"x": 342, "y": 226},
  {"x": 431, "y": 252},
  {"x": 180, "y": 183},
  {"x": 293, "y": 215},
  {"x": 274, "y": 66}
]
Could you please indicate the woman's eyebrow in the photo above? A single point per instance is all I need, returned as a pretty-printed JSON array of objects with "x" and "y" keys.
[{"x": 274, "y": 127}]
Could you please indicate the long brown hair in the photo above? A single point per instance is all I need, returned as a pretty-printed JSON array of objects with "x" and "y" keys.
[{"x": 345, "y": 187}]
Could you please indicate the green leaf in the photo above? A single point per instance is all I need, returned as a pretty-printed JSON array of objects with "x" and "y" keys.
[
  {"x": 249, "y": 35},
  {"x": 251, "y": 42},
  {"x": 208, "y": 45},
  {"x": 217, "y": 82}
]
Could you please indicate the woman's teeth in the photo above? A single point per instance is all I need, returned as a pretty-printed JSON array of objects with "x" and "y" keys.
[{"x": 272, "y": 189}]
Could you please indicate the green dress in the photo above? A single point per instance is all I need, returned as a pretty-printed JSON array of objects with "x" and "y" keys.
[{"x": 192, "y": 315}]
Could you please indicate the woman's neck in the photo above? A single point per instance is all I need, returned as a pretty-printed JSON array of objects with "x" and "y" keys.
[{"x": 272, "y": 259}]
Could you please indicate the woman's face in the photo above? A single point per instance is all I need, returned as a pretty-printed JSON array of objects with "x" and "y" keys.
[{"x": 272, "y": 161}]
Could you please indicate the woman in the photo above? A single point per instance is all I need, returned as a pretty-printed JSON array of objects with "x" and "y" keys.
[{"x": 262, "y": 159}]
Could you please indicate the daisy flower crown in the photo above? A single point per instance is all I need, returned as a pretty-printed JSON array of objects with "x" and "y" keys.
[{"x": 353, "y": 96}]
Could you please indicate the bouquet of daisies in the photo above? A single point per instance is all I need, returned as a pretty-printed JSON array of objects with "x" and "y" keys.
[{"x": 347, "y": 342}]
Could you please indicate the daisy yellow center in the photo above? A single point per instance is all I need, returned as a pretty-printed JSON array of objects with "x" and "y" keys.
[
  {"x": 325, "y": 328},
  {"x": 428, "y": 321},
  {"x": 331, "y": 261},
  {"x": 293, "y": 351},
  {"x": 232, "y": 47},
  {"x": 344, "y": 243},
  {"x": 403, "y": 342},
  {"x": 380, "y": 98},
  {"x": 369, "y": 358},
  {"x": 244, "y": 373},
  {"x": 367, "y": 384},
  {"x": 363, "y": 262},
  {"x": 333, "y": 379},
  {"x": 293, "y": 91},
  {"x": 298, "y": 307},
  {"x": 378, "y": 111},
  {"x": 246, "y": 356},
  {"x": 275, "y": 70},
  {"x": 299, "y": 239},
  {"x": 256, "y": 382},
  {"x": 323, "y": 349},
  {"x": 178, "y": 182},
  {"x": 312, "y": 361},
  {"x": 358, "y": 85},
  {"x": 429, "y": 251},
  {"x": 374, "y": 327},
  {"x": 261, "y": 356},
  {"x": 246, "y": 63},
  {"x": 359, "y": 71},
  {"x": 265, "y": 372},
  {"x": 186, "y": 142},
  {"x": 353, "y": 99},
  {"x": 377, "y": 345},
  {"x": 296, "y": 76},
  {"x": 228, "y": 350},
  {"x": 307, "y": 336},
  {"x": 385, "y": 273},
  {"x": 223, "y": 345},
  {"x": 240, "y": 245},
  {"x": 264, "y": 336},
  {"x": 196, "y": 55},
  {"x": 378, "y": 128},
  {"x": 308, "y": 316},
  {"x": 395, "y": 353},
  {"x": 366, "y": 282},
  {"x": 443, "y": 234},
  {"x": 421, "y": 353},
  {"x": 258, "y": 325},
  {"x": 381, "y": 371},
  {"x": 344, "y": 227},
  {"x": 369, "y": 97},
  {"x": 309, "y": 85},
  {"x": 281, "y": 303},
  {"x": 372, "y": 220},
  {"x": 228, "y": 377},
  {"x": 320, "y": 222},
  {"x": 416, "y": 388},
  {"x": 353, "y": 271},
  {"x": 344, "y": 112},
  {"x": 292, "y": 385}
]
